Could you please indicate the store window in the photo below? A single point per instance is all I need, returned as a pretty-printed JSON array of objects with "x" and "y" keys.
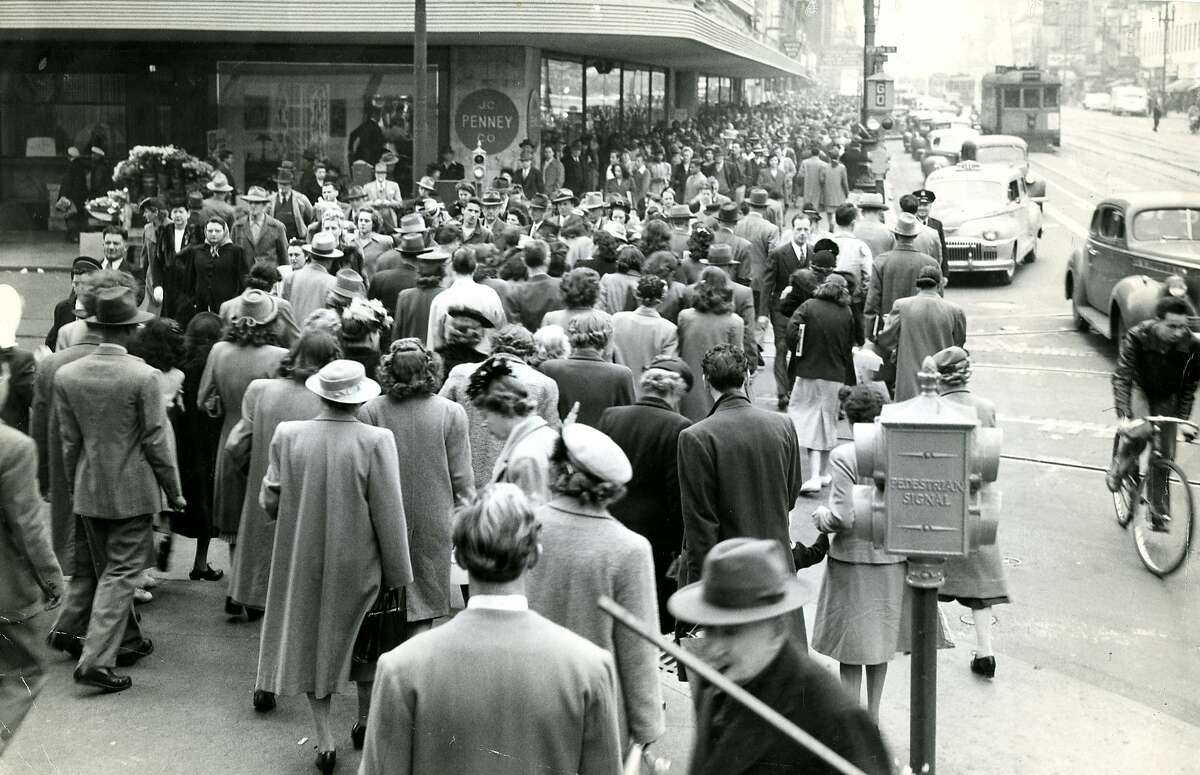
[
  {"x": 272, "y": 111},
  {"x": 658, "y": 97},
  {"x": 603, "y": 81},
  {"x": 702, "y": 90},
  {"x": 636, "y": 100},
  {"x": 562, "y": 98},
  {"x": 46, "y": 113}
]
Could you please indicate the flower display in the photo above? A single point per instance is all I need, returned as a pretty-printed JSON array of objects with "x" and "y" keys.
[
  {"x": 108, "y": 207},
  {"x": 154, "y": 159}
]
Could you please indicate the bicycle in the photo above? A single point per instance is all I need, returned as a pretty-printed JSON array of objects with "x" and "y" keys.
[{"x": 1160, "y": 503}]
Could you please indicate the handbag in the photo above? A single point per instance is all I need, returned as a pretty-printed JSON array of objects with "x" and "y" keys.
[{"x": 384, "y": 628}]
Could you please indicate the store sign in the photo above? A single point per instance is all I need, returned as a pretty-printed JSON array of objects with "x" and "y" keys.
[{"x": 487, "y": 118}]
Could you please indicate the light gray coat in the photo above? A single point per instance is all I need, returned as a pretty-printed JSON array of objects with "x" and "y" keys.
[
  {"x": 435, "y": 476},
  {"x": 333, "y": 484},
  {"x": 918, "y": 327}
]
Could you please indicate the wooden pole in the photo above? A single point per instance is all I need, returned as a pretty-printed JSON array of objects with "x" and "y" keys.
[
  {"x": 712, "y": 676},
  {"x": 420, "y": 93}
]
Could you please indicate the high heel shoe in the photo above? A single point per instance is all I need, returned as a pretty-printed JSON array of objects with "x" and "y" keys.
[
  {"x": 358, "y": 734},
  {"x": 326, "y": 761},
  {"x": 264, "y": 702},
  {"x": 984, "y": 666}
]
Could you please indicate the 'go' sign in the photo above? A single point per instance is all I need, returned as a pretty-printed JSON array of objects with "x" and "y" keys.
[{"x": 487, "y": 118}]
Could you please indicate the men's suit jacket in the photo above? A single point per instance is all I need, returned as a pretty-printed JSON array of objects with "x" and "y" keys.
[
  {"x": 920, "y": 326},
  {"x": 812, "y": 180},
  {"x": 595, "y": 383},
  {"x": 271, "y": 245},
  {"x": 761, "y": 234},
  {"x": 742, "y": 252},
  {"x": 528, "y": 302},
  {"x": 894, "y": 276},
  {"x": 302, "y": 210},
  {"x": 30, "y": 576},
  {"x": 575, "y": 174},
  {"x": 436, "y": 697},
  {"x": 530, "y": 182},
  {"x": 781, "y": 262},
  {"x": 743, "y": 479},
  {"x": 942, "y": 257},
  {"x": 117, "y": 453},
  {"x": 648, "y": 433}
]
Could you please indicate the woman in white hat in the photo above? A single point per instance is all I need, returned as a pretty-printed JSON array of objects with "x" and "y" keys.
[
  {"x": 248, "y": 351},
  {"x": 341, "y": 542},
  {"x": 588, "y": 554}
]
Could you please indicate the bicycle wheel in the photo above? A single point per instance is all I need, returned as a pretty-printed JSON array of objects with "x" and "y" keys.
[
  {"x": 1125, "y": 498},
  {"x": 1163, "y": 551}
]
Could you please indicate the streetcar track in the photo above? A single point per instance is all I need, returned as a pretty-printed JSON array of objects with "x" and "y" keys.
[
  {"x": 1150, "y": 143},
  {"x": 1047, "y": 369}
]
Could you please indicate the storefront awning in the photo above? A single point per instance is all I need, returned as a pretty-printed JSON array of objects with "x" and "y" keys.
[
  {"x": 1182, "y": 85},
  {"x": 663, "y": 33}
]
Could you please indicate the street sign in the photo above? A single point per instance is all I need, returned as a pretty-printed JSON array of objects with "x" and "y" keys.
[
  {"x": 791, "y": 48},
  {"x": 886, "y": 49}
]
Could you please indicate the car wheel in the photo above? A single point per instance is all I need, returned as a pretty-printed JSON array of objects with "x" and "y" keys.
[
  {"x": 1031, "y": 256},
  {"x": 1077, "y": 319}
]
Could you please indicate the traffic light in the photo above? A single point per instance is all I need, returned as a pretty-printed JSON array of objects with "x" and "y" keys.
[
  {"x": 928, "y": 459},
  {"x": 479, "y": 163}
]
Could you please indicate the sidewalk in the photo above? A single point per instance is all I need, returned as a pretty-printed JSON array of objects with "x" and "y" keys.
[
  {"x": 31, "y": 250},
  {"x": 189, "y": 710}
]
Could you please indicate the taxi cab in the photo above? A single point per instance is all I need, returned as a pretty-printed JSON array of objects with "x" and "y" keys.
[
  {"x": 1007, "y": 150},
  {"x": 945, "y": 147},
  {"x": 990, "y": 220},
  {"x": 1135, "y": 242}
]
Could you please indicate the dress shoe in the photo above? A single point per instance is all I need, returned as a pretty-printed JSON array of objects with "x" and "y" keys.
[
  {"x": 208, "y": 574},
  {"x": 358, "y": 733},
  {"x": 147, "y": 581},
  {"x": 326, "y": 760},
  {"x": 142, "y": 596},
  {"x": 61, "y": 641},
  {"x": 130, "y": 657},
  {"x": 232, "y": 608},
  {"x": 103, "y": 678},
  {"x": 984, "y": 666},
  {"x": 264, "y": 702}
]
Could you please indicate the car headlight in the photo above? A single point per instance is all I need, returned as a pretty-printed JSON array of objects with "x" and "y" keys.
[{"x": 990, "y": 235}]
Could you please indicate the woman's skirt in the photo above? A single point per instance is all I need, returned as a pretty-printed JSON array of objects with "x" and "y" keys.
[
  {"x": 976, "y": 581},
  {"x": 814, "y": 411},
  {"x": 864, "y": 614}
]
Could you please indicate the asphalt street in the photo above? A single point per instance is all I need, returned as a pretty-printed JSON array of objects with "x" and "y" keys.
[{"x": 1098, "y": 661}]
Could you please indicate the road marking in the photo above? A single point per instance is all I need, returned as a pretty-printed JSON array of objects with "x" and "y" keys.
[
  {"x": 1067, "y": 427},
  {"x": 1040, "y": 369},
  {"x": 1062, "y": 220},
  {"x": 1004, "y": 346}
]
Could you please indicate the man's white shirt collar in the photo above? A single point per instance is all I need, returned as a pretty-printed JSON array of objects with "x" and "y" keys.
[{"x": 499, "y": 602}]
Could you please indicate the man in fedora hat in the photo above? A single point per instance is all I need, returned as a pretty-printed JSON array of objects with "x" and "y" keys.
[
  {"x": 119, "y": 462},
  {"x": 526, "y": 176},
  {"x": 217, "y": 205},
  {"x": 811, "y": 178},
  {"x": 539, "y": 205},
  {"x": 894, "y": 274},
  {"x": 398, "y": 276},
  {"x": 261, "y": 237},
  {"x": 307, "y": 287},
  {"x": 592, "y": 205},
  {"x": 723, "y": 234},
  {"x": 761, "y": 235},
  {"x": 493, "y": 207},
  {"x": 919, "y": 326},
  {"x": 928, "y": 241},
  {"x": 564, "y": 201},
  {"x": 748, "y": 594},
  {"x": 290, "y": 207},
  {"x": 870, "y": 227},
  {"x": 680, "y": 218}
]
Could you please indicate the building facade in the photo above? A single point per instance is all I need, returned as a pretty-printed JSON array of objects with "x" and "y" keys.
[{"x": 271, "y": 82}]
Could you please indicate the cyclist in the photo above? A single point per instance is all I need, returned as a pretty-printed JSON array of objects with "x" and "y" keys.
[{"x": 1157, "y": 373}]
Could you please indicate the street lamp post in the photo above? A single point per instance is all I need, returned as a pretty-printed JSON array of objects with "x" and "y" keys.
[{"x": 1166, "y": 15}]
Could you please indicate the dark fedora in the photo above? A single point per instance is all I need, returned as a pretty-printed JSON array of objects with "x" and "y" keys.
[
  {"x": 539, "y": 202},
  {"x": 758, "y": 197},
  {"x": 413, "y": 244},
  {"x": 118, "y": 307},
  {"x": 729, "y": 213},
  {"x": 744, "y": 580},
  {"x": 719, "y": 254},
  {"x": 285, "y": 176}
]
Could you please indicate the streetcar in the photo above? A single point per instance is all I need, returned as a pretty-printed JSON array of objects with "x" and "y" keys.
[
  {"x": 1021, "y": 101},
  {"x": 960, "y": 89}
]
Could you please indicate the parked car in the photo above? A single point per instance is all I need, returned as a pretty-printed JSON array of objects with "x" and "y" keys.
[
  {"x": 1132, "y": 100},
  {"x": 1135, "y": 241},
  {"x": 989, "y": 218},
  {"x": 1007, "y": 150},
  {"x": 1097, "y": 100},
  {"x": 945, "y": 146}
]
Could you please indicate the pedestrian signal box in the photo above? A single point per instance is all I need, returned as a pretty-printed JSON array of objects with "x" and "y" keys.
[{"x": 927, "y": 459}]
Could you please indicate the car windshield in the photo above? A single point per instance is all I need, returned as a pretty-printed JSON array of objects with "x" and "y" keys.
[
  {"x": 1000, "y": 154},
  {"x": 1175, "y": 224},
  {"x": 964, "y": 191}
]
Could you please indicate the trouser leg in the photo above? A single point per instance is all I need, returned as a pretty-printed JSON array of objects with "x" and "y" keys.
[
  {"x": 783, "y": 386},
  {"x": 122, "y": 543},
  {"x": 22, "y": 670},
  {"x": 77, "y": 608}
]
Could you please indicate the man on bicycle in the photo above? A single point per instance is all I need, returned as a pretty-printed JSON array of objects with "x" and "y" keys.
[{"x": 1157, "y": 373}]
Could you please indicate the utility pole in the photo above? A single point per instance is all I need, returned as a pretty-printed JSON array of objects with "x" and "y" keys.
[
  {"x": 1166, "y": 15},
  {"x": 420, "y": 96},
  {"x": 868, "y": 52}
]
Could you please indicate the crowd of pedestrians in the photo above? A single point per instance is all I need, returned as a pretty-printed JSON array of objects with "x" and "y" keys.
[{"x": 531, "y": 396}]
